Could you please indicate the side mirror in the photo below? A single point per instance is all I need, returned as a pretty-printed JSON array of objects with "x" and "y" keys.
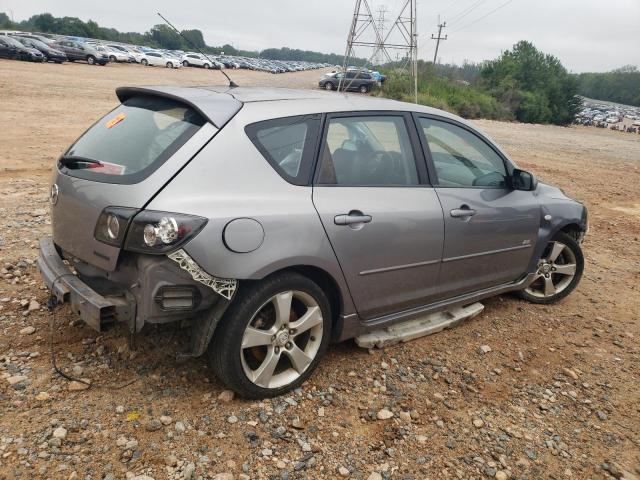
[{"x": 523, "y": 180}]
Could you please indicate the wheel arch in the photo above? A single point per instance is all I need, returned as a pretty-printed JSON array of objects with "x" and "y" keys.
[{"x": 328, "y": 285}]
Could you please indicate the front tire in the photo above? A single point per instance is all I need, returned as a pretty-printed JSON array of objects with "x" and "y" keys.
[
  {"x": 185, "y": 64},
  {"x": 169, "y": 65},
  {"x": 207, "y": 66},
  {"x": 144, "y": 62},
  {"x": 112, "y": 58},
  {"x": 272, "y": 336},
  {"x": 559, "y": 271},
  {"x": 91, "y": 60},
  {"x": 364, "y": 89},
  {"x": 328, "y": 86}
]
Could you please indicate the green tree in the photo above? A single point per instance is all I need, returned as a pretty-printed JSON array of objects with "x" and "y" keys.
[{"x": 535, "y": 85}]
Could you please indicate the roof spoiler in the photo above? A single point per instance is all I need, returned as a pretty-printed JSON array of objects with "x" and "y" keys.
[{"x": 217, "y": 107}]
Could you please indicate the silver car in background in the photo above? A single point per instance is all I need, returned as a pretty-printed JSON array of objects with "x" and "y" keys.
[{"x": 275, "y": 221}]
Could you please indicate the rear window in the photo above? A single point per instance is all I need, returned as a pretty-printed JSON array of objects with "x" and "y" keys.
[
  {"x": 132, "y": 141},
  {"x": 288, "y": 144}
]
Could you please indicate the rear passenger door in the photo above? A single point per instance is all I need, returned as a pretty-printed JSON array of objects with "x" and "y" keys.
[
  {"x": 490, "y": 228},
  {"x": 383, "y": 219}
]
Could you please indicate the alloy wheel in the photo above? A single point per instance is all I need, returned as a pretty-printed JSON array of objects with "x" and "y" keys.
[
  {"x": 556, "y": 270},
  {"x": 282, "y": 339}
]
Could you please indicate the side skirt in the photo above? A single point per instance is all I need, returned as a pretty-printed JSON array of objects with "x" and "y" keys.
[{"x": 353, "y": 326}]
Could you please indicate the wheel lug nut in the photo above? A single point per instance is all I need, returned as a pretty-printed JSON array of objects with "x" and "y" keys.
[
  {"x": 288, "y": 345},
  {"x": 277, "y": 350},
  {"x": 292, "y": 331},
  {"x": 546, "y": 275}
]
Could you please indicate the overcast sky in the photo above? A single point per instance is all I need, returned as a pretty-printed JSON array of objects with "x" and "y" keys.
[{"x": 587, "y": 35}]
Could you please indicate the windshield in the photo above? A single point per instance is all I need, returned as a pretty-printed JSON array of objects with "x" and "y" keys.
[{"x": 132, "y": 141}]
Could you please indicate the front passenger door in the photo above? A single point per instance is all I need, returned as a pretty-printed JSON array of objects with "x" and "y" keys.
[{"x": 490, "y": 228}]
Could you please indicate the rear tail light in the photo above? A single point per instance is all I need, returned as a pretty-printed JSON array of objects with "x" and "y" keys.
[
  {"x": 161, "y": 232},
  {"x": 112, "y": 224}
]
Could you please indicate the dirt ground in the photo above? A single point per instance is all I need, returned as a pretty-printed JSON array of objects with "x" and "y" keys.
[{"x": 558, "y": 395}]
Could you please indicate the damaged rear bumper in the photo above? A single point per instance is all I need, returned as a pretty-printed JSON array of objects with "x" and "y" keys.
[{"x": 95, "y": 309}]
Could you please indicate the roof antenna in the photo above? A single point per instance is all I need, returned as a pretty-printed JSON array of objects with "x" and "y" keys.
[{"x": 232, "y": 84}]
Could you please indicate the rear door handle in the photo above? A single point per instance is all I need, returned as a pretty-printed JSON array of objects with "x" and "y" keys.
[
  {"x": 463, "y": 212},
  {"x": 351, "y": 219}
]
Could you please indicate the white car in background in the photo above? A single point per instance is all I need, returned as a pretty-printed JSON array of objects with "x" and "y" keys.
[
  {"x": 160, "y": 60},
  {"x": 132, "y": 55},
  {"x": 195, "y": 60},
  {"x": 113, "y": 54}
]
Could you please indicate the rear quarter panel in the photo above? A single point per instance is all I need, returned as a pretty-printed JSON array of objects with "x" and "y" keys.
[{"x": 229, "y": 179}]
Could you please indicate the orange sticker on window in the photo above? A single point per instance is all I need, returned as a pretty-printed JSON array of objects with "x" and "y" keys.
[{"x": 115, "y": 120}]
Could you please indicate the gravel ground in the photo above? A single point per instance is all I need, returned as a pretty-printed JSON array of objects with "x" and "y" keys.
[{"x": 555, "y": 394}]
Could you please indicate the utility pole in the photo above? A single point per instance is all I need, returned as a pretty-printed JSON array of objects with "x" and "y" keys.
[
  {"x": 438, "y": 38},
  {"x": 382, "y": 11},
  {"x": 401, "y": 36}
]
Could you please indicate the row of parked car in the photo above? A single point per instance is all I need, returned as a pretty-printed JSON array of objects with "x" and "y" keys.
[{"x": 40, "y": 47}]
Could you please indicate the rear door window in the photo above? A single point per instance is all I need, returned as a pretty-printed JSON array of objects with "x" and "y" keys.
[
  {"x": 132, "y": 141},
  {"x": 288, "y": 144}
]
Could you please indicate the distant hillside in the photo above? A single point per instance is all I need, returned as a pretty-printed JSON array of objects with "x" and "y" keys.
[
  {"x": 621, "y": 85},
  {"x": 159, "y": 36}
]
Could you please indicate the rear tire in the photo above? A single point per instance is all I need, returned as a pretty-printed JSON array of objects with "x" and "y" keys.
[
  {"x": 286, "y": 320},
  {"x": 185, "y": 64},
  {"x": 328, "y": 86},
  {"x": 112, "y": 58},
  {"x": 207, "y": 66},
  {"x": 559, "y": 271},
  {"x": 363, "y": 89},
  {"x": 144, "y": 62}
]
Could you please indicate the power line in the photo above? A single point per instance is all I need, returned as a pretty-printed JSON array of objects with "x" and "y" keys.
[
  {"x": 483, "y": 17},
  {"x": 460, "y": 15}
]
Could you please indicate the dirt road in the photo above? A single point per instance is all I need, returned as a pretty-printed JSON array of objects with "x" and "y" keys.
[{"x": 558, "y": 395}]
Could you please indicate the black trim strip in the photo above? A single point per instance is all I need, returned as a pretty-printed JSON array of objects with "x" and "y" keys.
[
  {"x": 490, "y": 252},
  {"x": 398, "y": 267}
]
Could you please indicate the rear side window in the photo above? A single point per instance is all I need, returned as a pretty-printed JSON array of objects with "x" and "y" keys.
[
  {"x": 288, "y": 144},
  {"x": 132, "y": 141}
]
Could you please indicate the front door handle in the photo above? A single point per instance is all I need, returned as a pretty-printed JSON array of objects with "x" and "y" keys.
[
  {"x": 351, "y": 218},
  {"x": 463, "y": 212}
]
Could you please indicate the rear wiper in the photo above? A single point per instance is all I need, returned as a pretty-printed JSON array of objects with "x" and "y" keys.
[{"x": 69, "y": 160}]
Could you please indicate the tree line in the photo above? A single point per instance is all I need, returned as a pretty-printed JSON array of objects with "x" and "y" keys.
[
  {"x": 522, "y": 84},
  {"x": 621, "y": 85},
  {"x": 159, "y": 36}
]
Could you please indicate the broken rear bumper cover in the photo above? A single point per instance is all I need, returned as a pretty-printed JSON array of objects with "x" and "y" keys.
[
  {"x": 143, "y": 288},
  {"x": 92, "y": 307}
]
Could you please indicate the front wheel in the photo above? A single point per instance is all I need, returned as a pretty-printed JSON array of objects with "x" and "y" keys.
[
  {"x": 169, "y": 65},
  {"x": 363, "y": 89},
  {"x": 144, "y": 62},
  {"x": 112, "y": 58},
  {"x": 207, "y": 66},
  {"x": 328, "y": 86},
  {"x": 91, "y": 60},
  {"x": 185, "y": 64},
  {"x": 559, "y": 271},
  {"x": 272, "y": 336}
]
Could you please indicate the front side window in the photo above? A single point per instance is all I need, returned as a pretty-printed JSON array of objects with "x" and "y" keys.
[
  {"x": 460, "y": 158},
  {"x": 368, "y": 150},
  {"x": 288, "y": 145},
  {"x": 132, "y": 141}
]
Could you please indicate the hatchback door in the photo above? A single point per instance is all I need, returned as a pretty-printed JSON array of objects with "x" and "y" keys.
[
  {"x": 383, "y": 221},
  {"x": 123, "y": 160},
  {"x": 490, "y": 228}
]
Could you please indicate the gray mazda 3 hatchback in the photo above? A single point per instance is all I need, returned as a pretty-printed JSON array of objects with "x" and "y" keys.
[{"x": 272, "y": 222}]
